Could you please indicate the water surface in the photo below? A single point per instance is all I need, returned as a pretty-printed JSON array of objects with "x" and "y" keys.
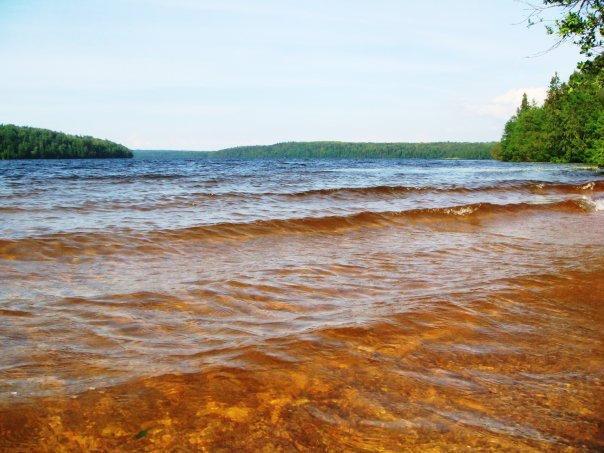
[{"x": 310, "y": 305}]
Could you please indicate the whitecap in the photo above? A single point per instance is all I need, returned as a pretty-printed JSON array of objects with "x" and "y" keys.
[
  {"x": 597, "y": 204},
  {"x": 461, "y": 210},
  {"x": 588, "y": 186}
]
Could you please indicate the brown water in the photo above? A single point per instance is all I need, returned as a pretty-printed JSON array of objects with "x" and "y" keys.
[{"x": 350, "y": 306}]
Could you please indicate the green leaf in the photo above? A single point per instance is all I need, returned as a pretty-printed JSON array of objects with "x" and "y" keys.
[{"x": 142, "y": 434}]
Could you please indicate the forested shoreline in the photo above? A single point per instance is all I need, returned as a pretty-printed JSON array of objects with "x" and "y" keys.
[
  {"x": 568, "y": 127},
  {"x": 20, "y": 142},
  {"x": 338, "y": 150}
]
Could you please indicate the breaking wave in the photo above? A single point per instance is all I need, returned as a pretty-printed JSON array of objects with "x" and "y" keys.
[{"x": 100, "y": 243}]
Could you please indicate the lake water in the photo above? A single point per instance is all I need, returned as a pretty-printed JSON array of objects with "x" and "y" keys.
[{"x": 309, "y": 305}]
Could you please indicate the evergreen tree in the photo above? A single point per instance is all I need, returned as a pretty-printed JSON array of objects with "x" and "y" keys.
[
  {"x": 524, "y": 105},
  {"x": 569, "y": 127}
]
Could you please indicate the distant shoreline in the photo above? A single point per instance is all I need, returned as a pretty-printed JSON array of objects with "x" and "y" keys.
[{"x": 337, "y": 150}]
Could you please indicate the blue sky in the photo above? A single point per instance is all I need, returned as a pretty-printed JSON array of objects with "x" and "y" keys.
[{"x": 207, "y": 74}]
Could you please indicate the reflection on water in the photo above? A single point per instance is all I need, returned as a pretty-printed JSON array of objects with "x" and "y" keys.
[{"x": 301, "y": 305}]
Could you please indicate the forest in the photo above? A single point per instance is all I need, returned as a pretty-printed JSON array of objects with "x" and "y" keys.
[
  {"x": 569, "y": 126},
  {"x": 18, "y": 142},
  {"x": 338, "y": 150}
]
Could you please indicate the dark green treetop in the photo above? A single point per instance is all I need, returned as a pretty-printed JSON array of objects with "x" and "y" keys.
[{"x": 32, "y": 143}]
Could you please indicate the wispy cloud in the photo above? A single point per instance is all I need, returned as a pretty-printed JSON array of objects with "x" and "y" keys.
[{"x": 504, "y": 105}]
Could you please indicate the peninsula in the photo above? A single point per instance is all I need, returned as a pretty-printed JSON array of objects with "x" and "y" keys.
[{"x": 17, "y": 142}]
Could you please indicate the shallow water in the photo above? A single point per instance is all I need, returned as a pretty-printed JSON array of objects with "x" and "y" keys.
[{"x": 309, "y": 305}]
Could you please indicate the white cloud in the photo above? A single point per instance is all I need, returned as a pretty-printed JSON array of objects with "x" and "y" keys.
[{"x": 505, "y": 105}]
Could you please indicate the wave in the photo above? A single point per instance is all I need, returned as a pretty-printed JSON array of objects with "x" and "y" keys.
[
  {"x": 596, "y": 203},
  {"x": 372, "y": 218},
  {"x": 102, "y": 243},
  {"x": 195, "y": 198},
  {"x": 530, "y": 186},
  {"x": 13, "y": 209},
  {"x": 133, "y": 177}
]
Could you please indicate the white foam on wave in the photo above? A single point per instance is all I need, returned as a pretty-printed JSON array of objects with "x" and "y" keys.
[
  {"x": 597, "y": 204},
  {"x": 588, "y": 186},
  {"x": 461, "y": 210}
]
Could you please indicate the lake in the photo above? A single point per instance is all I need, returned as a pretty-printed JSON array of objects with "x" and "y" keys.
[{"x": 308, "y": 304}]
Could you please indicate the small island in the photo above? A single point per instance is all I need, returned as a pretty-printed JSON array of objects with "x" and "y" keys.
[{"x": 17, "y": 142}]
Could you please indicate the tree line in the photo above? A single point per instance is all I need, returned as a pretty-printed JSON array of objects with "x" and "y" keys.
[
  {"x": 18, "y": 142},
  {"x": 347, "y": 150},
  {"x": 569, "y": 126}
]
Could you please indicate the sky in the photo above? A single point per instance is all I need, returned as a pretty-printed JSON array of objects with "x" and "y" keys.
[{"x": 210, "y": 74}]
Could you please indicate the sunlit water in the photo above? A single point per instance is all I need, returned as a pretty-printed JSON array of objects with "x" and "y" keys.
[{"x": 301, "y": 305}]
